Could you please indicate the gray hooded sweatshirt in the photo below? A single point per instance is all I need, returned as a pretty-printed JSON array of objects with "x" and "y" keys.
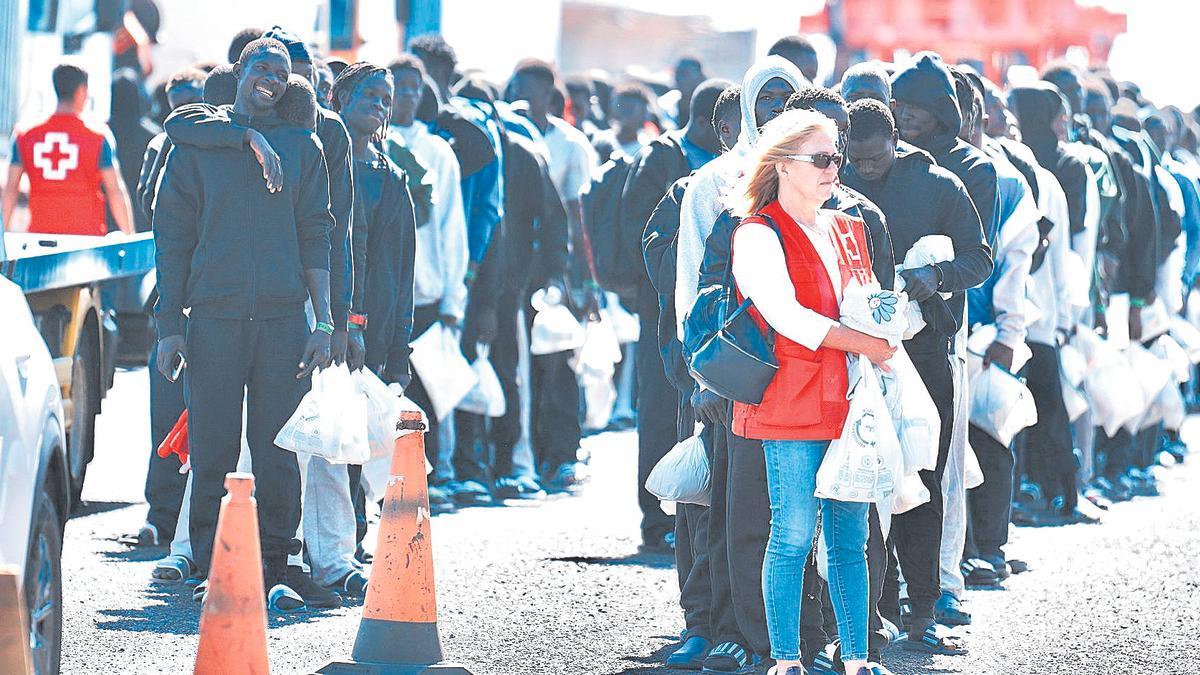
[{"x": 707, "y": 194}]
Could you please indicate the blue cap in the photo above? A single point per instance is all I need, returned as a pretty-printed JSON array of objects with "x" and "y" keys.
[{"x": 297, "y": 49}]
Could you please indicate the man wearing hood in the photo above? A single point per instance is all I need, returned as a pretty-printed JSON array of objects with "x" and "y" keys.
[
  {"x": 919, "y": 198},
  {"x": 765, "y": 90},
  {"x": 927, "y": 115}
]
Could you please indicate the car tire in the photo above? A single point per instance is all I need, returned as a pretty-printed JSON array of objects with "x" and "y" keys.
[
  {"x": 43, "y": 584},
  {"x": 81, "y": 438}
]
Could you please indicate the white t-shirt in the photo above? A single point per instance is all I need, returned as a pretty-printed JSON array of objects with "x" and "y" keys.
[{"x": 571, "y": 158}]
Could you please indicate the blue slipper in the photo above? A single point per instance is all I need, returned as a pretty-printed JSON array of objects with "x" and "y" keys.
[{"x": 690, "y": 655}]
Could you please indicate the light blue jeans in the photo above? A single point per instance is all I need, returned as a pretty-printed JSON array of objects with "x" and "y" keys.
[{"x": 791, "y": 481}]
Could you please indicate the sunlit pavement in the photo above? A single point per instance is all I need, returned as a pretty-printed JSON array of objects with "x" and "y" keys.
[{"x": 558, "y": 586}]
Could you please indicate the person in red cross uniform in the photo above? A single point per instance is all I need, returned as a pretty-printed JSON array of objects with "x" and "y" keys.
[{"x": 69, "y": 162}]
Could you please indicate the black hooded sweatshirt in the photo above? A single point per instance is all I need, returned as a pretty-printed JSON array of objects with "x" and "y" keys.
[
  {"x": 205, "y": 126},
  {"x": 927, "y": 84},
  {"x": 382, "y": 203},
  {"x": 919, "y": 198},
  {"x": 225, "y": 246}
]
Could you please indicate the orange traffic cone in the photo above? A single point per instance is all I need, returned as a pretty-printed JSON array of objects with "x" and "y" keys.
[
  {"x": 14, "y": 628},
  {"x": 233, "y": 625},
  {"x": 398, "y": 634}
]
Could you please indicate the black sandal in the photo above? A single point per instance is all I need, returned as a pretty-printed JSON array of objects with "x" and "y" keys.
[
  {"x": 729, "y": 658},
  {"x": 932, "y": 643}
]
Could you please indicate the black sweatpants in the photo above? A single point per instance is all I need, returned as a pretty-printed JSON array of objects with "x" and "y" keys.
[
  {"x": 658, "y": 416},
  {"x": 693, "y": 562},
  {"x": 989, "y": 506},
  {"x": 555, "y": 417},
  {"x": 484, "y": 446},
  {"x": 164, "y": 483},
  {"x": 226, "y": 359},
  {"x": 1047, "y": 451},
  {"x": 917, "y": 534},
  {"x": 423, "y": 318},
  {"x": 738, "y": 533}
]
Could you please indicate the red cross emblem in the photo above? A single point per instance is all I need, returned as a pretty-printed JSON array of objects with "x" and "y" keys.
[{"x": 55, "y": 155}]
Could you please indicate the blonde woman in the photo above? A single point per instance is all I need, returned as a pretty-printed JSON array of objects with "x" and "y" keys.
[{"x": 793, "y": 260}]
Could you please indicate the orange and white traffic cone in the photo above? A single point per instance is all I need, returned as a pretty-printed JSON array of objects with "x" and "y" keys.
[
  {"x": 14, "y": 626},
  {"x": 398, "y": 634},
  {"x": 233, "y": 625}
]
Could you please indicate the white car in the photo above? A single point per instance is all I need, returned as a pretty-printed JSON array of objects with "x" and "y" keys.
[{"x": 34, "y": 493}]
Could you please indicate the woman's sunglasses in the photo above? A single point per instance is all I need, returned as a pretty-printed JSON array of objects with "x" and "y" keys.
[{"x": 821, "y": 160}]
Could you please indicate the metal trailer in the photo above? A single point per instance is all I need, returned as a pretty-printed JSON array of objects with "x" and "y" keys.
[{"x": 66, "y": 280}]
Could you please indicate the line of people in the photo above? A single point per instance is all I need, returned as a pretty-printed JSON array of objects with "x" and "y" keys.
[
  {"x": 309, "y": 212},
  {"x": 1064, "y": 214}
]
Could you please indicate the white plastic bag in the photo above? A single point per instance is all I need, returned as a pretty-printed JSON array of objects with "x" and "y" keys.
[
  {"x": 445, "y": 372},
  {"x": 914, "y": 415},
  {"x": 331, "y": 420},
  {"x": 1154, "y": 375},
  {"x": 1156, "y": 320},
  {"x": 1078, "y": 287},
  {"x": 683, "y": 474},
  {"x": 1001, "y": 404},
  {"x": 870, "y": 309},
  {"x": 1114, "y": 394},
  {"x": 1168, "y": 349},
  {"x": 1187, "y": 335},
  {"x": 909, "y": 495},
  {"x": 865, "y": 463},
  {"x": 1170, "y": 408},
  {"x": 383, "y": 411},
  {"x": 928, "y": 250},
  {"x": 594, "y": 364},
  {"x": 555, "y": 328},
  {"x": 1152, "y": 372},
  {"x": 487, "y": 397},
  {"x": 625, "y": 324},
  {"x": 1073, "y": 363},
  {"x": 1074, "y": 399}
]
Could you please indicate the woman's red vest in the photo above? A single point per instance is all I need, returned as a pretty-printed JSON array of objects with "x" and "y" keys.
[{"x": 807, "y": 399}]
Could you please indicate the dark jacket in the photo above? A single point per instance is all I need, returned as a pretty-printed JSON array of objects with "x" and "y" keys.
[
  {"x": 919, "y": 198},
  {"x": 382, "y": 204},
  {"x": 659, "y": 252},
  {"x": 132, "y": 132},
  {"x": 204, "y": 126},
  {"x": 225, "y": 246},
  {"x": 1036, "y": 108},
  {"x": 660, "y": 164},
  {"x": 152, "y": 165},
  {"x": 535, "y": 222},
  {"x": 927, "y": 84}
]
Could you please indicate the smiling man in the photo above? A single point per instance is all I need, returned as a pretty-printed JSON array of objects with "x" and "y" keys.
[{"x": 244, "y": 254}]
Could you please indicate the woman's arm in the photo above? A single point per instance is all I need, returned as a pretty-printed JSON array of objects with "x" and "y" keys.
[{"x": 760, "y": 270}]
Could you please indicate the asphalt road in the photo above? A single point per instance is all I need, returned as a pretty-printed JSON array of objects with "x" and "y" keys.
[{"x": 558, "y": 586}]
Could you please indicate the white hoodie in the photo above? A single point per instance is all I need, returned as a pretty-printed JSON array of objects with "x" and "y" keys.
[
  {"x": 707, "y": 193},
  {"x": 441, "y": 263}
]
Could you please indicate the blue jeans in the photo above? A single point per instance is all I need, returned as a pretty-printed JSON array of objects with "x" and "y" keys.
[{"x": 791, "y": 481}]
